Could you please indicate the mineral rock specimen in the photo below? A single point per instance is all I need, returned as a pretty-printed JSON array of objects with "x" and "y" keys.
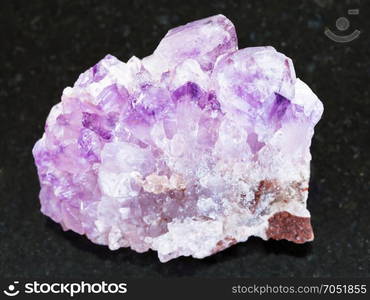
[{"x": 187, "y": 151}]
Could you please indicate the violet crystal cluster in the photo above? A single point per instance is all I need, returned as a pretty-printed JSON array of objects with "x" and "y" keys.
[{"x": 187, "y": 151}]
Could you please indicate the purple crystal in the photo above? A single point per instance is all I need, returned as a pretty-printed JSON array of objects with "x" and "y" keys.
[{"x": 187, "y": 151}]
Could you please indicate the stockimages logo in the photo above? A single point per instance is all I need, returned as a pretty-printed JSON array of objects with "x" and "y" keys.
[{"x": 70, "y": 289}]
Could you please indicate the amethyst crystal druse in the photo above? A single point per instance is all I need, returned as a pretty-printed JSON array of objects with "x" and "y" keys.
[{"x": 187, "y": 151}]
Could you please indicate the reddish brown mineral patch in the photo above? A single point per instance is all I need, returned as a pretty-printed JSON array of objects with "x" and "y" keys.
[
  {"x": 265, "y": 186},
  {"x": 178, "y": 194},
  {"x": 284, "y": 225},
  {"x": 223, "y": 244},
  {"x": 300, "y": 187}
]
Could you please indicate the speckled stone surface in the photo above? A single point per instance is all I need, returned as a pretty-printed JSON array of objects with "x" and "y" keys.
[{"x": 49, "y": 43}]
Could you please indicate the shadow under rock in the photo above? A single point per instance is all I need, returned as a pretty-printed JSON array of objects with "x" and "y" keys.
[
  {"x": 183, "y": 266},
  {"x": 81, "y": 242},
  {"x": 187, "y": 266}
]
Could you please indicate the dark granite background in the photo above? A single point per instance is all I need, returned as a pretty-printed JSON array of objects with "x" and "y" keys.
[{"x": 45, "y": 45}]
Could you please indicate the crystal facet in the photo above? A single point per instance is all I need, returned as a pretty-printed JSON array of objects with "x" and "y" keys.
[{"x": 187, "y": 151}]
